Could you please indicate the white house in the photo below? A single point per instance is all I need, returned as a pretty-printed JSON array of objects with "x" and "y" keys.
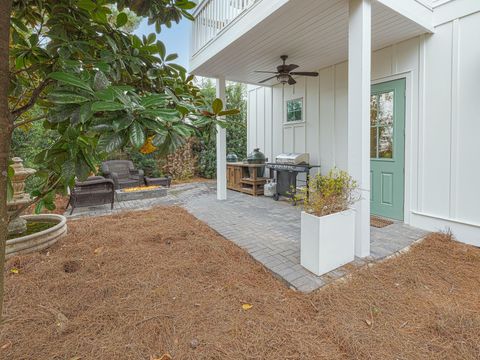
[{"x": 396, "y": 102}]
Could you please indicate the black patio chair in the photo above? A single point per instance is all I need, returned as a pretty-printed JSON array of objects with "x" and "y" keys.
[
  {"x": 96, "y": 190},
  {"x": 123, "y": 173}
]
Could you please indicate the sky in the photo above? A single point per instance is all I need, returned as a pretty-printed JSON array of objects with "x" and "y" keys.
[{"x": 176, "y": 39}]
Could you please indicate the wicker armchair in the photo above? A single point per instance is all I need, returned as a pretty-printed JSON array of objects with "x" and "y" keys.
[
  {"x": 123, "y": 173},
  {"x": 96, "y": 190}
]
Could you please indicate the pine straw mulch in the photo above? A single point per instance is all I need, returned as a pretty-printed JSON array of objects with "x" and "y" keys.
[{"x": 142, "y": 284}]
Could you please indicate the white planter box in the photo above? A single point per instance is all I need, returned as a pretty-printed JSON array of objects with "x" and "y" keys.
[{"x": 327, "y": 242}]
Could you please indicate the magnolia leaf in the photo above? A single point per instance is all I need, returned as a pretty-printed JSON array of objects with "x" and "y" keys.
[
  {"x": 183, "y": 130},
  {"x": 202, "y": 121},
  {"x": 65, "y": 97},
  {"x": 68, "y": 169},
  {"x": 122, "y": 19},
  {"x": 159, "y": 139},
  {"x": 179, "y": 68},
  {"x": 229, "y": 112},
  {"x": 137, "y": 135},
  {"x": 152, "y": 125},
  {"x": 164, "y": 114},
  {"x": 153, "y": 100},
  {"x": 217, "y": 106},
  {"x": 81, "y": 115},
  {"x": 86, "y": 5},
  {"x": 110, "y": 142},
  {"x": 82, "y": 168},
  {"x": 100, "y": 81},
  {"x": 151, "y": 38},
  {"x": 105, "y": 94},
  {"x": 70, "y": 79},
  {"x": 106, "y": 106},
  {"x": 171, "y": 57},
  {"x": 63, "y": 113},
  {"x": 85, "y": 112},
  {"x": 122, "y": 122},
  {"x": 188, "y": 5}
]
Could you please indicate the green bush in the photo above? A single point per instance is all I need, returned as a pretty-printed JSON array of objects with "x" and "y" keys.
[
  {"x": 27, "y": 143},
  {"x": 328, "y": 194}
]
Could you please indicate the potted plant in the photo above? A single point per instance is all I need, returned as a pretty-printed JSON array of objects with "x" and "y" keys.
[{"x": 328, "y": 222}]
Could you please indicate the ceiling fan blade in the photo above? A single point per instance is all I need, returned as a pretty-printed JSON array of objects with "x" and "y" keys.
[
  {"x": 291, "y": 67},
  {"x": 304, "y": 73},
  {"x": 264, "y": 81},
  {"x": 291, "y": 81},
  {"x": 265, "y": 72}
]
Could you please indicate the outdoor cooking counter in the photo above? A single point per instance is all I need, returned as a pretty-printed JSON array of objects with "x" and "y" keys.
[{"x": 245, "y": 178}]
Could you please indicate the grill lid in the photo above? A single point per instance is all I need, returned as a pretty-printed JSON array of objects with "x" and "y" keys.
[{"x": 293, "y": 158}]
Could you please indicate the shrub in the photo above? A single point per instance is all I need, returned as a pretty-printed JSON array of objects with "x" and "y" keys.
[
  {"x": 182, "y": 164},
  {"x": 328, "y": 194}
]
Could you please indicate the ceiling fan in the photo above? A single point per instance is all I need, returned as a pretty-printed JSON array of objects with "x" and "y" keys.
[{"x": 284, "y": 73}]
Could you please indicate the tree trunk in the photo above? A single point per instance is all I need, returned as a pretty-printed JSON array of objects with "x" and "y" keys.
[{"x": 6, "y": 126}]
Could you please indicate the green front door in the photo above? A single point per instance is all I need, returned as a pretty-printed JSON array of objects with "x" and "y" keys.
[{"x": 387, "y": 149}]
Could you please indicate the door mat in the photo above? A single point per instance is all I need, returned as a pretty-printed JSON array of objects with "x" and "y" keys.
[{"x": 378, "y": 222}]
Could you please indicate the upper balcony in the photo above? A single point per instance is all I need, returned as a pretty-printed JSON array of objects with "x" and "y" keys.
[
  {"x": 212, "y": 16},
  {"x": 233, "y": 38}
]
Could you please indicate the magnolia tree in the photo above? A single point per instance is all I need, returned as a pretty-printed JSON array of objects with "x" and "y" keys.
[{"x": 71, "y": 65}]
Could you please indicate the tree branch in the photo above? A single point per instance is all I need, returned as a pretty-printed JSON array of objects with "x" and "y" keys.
[
  {"x": 33, "y": 99},
  {"x": 28, "y": 121},
  {"x": 34, "y": 201}
]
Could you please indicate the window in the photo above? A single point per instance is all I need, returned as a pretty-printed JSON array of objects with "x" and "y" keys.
[
  {"x": 382, "y": 125},
  {"x": 295, "y": 110}
]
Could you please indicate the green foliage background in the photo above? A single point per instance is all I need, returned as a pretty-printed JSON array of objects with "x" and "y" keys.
[
  {"x": 27, "y": 143},
  {"x": 236, "y": 127}
]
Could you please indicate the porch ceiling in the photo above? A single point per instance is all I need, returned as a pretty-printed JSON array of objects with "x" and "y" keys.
[{"x": 313, "y": 33}]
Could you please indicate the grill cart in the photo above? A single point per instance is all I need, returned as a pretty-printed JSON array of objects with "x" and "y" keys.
[{"x": 285, "y": 169}]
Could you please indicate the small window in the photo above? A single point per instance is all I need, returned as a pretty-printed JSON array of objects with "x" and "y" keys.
[{"x": 295, "y": 110}]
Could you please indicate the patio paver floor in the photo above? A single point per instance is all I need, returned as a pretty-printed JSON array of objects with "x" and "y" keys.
[{"x": 268, "y": 230}]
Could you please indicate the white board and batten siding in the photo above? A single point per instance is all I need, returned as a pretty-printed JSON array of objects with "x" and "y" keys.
[{"x": 442, "y": 154}]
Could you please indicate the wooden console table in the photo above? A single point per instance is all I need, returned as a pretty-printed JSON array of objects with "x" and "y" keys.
[{"x": 239, "y": 179}]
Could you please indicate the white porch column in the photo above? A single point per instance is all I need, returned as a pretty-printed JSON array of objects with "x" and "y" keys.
[
  {"x": 359, "y": 82},
  {"x": 221, "y": 148}
]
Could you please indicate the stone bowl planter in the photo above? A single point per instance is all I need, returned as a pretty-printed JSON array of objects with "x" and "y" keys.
[{"x": 40, "y": 240}]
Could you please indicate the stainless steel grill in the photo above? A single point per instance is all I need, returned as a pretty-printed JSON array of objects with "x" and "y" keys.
[{"x": 286, "y": 169}]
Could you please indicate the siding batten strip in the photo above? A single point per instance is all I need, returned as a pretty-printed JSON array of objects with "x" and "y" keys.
[{"x": 454, "y": 118}]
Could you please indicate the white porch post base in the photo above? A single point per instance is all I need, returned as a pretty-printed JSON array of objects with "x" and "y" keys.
[
  {"x": 359, "y": 82},
  {"x": 221, "y": 148}
]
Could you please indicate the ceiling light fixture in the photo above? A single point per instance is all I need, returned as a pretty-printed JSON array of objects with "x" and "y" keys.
[{"x": 283, "y": 78}]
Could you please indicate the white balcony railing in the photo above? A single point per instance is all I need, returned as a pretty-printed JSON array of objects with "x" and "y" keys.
[{"x": 212, "y": 16}]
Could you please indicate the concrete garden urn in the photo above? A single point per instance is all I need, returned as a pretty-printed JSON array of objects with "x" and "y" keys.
[
  {"x": 18, "y": 225},
  {"x": 327, "y": 242}
]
